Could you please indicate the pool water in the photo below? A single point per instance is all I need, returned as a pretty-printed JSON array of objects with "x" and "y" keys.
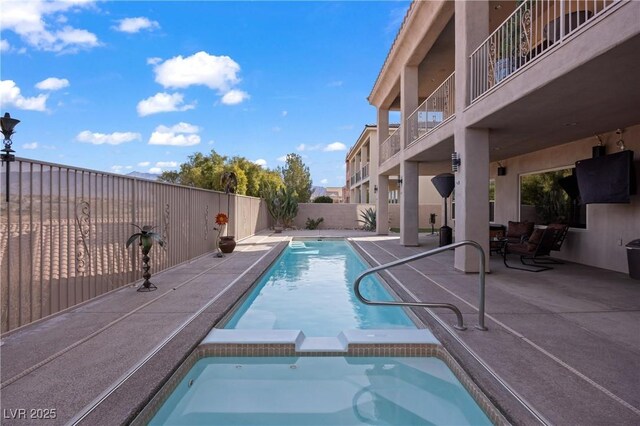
[
  {"x": 310, "y": 288},
  {"x": 320, "y": 391}
]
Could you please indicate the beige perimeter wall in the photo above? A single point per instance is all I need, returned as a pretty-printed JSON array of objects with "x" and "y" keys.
[{"x": 336, "y": 216}]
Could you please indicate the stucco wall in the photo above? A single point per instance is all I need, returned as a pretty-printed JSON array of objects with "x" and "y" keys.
[
  {"x": 336, "y": 216},
  {"x": 424, "y": 210},
  {"x": 609, "y": 226}
]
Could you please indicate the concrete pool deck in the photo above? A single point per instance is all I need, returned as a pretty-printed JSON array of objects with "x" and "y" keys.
[{"x": 565, "y": 340}]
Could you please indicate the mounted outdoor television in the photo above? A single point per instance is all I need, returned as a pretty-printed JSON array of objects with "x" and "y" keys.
[{"x": 606, "y": 179}]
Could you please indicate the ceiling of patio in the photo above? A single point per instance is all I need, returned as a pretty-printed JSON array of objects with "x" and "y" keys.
[{"x": 597, "y": 97}]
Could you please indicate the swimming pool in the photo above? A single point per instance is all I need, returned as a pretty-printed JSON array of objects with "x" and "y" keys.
[
  {"x": 278, "y": 361},
  {"x": 310, "y": 288},
  {"x": 320, "y": 391}
]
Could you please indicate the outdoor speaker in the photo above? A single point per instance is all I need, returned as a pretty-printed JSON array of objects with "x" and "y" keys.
[{"x": 502, "y": 171}]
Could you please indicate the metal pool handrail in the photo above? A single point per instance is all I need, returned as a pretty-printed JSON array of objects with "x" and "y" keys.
[{"x": 460, "y": 325}]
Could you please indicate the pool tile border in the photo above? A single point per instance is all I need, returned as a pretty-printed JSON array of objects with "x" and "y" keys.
[{"x": 420, "y": 350}]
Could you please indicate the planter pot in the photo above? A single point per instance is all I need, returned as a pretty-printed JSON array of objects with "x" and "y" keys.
[
  {"x": 227, "y": 244},
  {"x": 277, "y": 229},
  {"x": 503, "y": 68}
]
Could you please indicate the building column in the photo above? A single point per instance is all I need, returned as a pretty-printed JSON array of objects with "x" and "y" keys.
[
  {"x": 382, "y": 206},
  {"x": 382, "y": 197},
  {"x": 409, "y": 172},
  {"x": 472, "y": 145}
]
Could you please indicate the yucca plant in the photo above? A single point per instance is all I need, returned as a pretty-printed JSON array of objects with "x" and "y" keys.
[
  {"x": 282, "y": 205},
  {"x": 145, "y": 238},
  {"x": 368, "y": 219}
]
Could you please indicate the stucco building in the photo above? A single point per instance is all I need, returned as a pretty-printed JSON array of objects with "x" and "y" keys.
[{"x": 529, "y": 87}]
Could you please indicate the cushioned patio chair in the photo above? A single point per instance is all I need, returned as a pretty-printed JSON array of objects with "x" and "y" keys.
[
  {"x": 557, "y": 244},
  {"x": 519, "y": 232},
  {"x": 539, "y": 245}
]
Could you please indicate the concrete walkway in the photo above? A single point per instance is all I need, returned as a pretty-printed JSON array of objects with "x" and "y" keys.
[{"x": 565, "y": 340}]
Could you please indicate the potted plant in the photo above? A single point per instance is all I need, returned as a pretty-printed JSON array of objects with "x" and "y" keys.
[
  {"x": 225, "y": 243},
  {"x": 146, "y": 237},
  {"x": 509, "y": 43}
]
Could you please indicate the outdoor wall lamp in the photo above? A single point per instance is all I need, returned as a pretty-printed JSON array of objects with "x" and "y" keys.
[
  {"x": 502, "y": 170},
  {"x": 455, "y": 162},
  {"x": 375, "y": 189},
  {"x": 7, "y": 157},
  {"x": 400, "y": 180}
]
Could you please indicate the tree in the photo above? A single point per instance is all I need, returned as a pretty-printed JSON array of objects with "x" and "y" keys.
[
  {"x": 296, "y": 176},
  {"x": 206, "y": 171}
]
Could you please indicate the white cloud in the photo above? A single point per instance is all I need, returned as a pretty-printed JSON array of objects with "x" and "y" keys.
[
  {"x": 32, "y": 145},
  {"x": 234, "y": 97},
  {"x": 115, "y": 138},
  {"x": 4, "y": 46},
  {"x": 336, "y": 83},
  {"x": 181, "y": 127},
  {"x": 324, "y": 181},
  {"x": 163, "y": 102},
  {"x": 134, "y": 25},
  {"x": 144, "y": 163},
  {"x": 336, "y": 146},
  {"x": 261, "y": 162},
  {"x": 117, "y": 169},
  {"x": 282, "y": 159},
  {"x": 40, "y": 24},
  {"x": 169, "y": 164},
  {"x": 285, "y": 113},
  {"x": 181, "y": 134},
  {"x": 10, "y": 96},
  {"x": 155, "y": 170},
  {"x": 301, "y": 147},
  {"x": 216, "y": 72},
  {"x": 53, "y": 83},
  {"x": 276, "y": 129},
  {"x": 154, "y": 60}
]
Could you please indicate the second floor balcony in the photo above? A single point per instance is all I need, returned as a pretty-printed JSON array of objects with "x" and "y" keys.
[
  {"x": 436, "y": 109},
  {"x": 533, "y": 29}
]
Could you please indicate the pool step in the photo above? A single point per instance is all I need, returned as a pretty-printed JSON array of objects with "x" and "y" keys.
[{"x": 293, "y": 342}]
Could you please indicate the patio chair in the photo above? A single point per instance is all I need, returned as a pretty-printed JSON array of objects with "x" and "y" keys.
[
  {"x": 538, "y": 245},
  {"x": 519, "y": 232},
  {"x": 557, "y": 244}
]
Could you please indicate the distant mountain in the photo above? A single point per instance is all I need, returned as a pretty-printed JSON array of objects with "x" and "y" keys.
[
  {"x": 318, "y": 191},
  {"x": 142, "y": 175}
]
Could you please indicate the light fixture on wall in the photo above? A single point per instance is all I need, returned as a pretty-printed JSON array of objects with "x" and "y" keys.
[
  {"x": 7, "y": 123},
  {"x": 375, "y": 189},
  {"x": 620, "y": 142},
  {"x": 400, "y": 180},
  {"x": 455, "y": 162},
  {"x": 502, "y": 170}
]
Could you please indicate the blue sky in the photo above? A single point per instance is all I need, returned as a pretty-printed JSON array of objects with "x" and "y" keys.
[{"x": 121, "y": 86}]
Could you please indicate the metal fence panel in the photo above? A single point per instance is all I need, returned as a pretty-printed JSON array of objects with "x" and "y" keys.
[{"x": 64, "y": 230}]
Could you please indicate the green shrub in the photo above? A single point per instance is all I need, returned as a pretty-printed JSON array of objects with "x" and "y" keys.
[
  {"x": 323, "y": 199},
  {"x": 313, "y": 223},
  {"x": 368, "y": 219}
]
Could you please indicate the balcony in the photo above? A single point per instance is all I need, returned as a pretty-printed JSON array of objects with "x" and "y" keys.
[
  {"x": 365, "y": 171},
  {"x": 527, "y": 34},
  {"x": 391, "y": 146},
  {"x": 434, "y": 111}
]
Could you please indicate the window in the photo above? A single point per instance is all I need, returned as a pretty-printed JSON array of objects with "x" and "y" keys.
[{"x": 544, "y": 200}]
